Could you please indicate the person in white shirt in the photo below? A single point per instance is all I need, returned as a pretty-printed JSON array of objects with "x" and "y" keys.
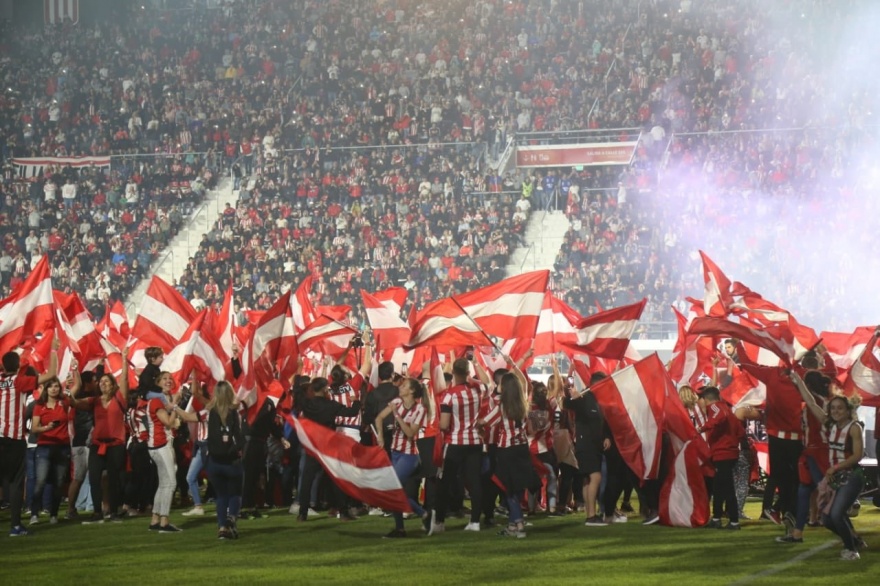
[
  {"x": 68, "y": 193},
  {"x": 49, "y": 190}
]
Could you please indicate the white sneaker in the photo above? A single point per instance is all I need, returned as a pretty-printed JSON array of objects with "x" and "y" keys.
[
  {"x": 194, "y": 512},
  {"x": 313, "y": 513},
  {"x": 472, "y": 527},
  {"x": 850, "y": 555},
  {"x": 375, "y": 512},
  {"x": 436, "y": 527},
  {"x": 34, "y": 520},
  {"x": 294, "y": 509},
  {"x": 53, "y": 520},
  {"x": 619, "y": 518}
]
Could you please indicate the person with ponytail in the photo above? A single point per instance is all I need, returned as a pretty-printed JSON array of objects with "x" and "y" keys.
[
  {"x": 844, "y": 479},
  {"x": 410, "y": 417},
  {"x": 224, "y": 448},
  {"x": 514, "y": 465},
  {"x": 162, "y": 420}
]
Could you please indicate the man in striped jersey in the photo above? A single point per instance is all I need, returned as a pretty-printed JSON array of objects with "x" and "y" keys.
[
  {"x": 15, "y": 386},
  {"x": 463, "y": 454}
]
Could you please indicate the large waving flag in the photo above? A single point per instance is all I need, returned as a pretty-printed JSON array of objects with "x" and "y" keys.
[
  {"x": 684, "y": 500},
  {"x": 362, "y": 472},
  {"x": 199, "y": 349},
  {"x": 78, "y": 324},
  {"x": 777, "y": 338},
  {"x": 30, "y": 309},
  {"x": 845, "y": 348},
  {"x": 162, "y": 321},
  {"x": 691, "y": 356},
  {"x": 224, "y": 325},
  {"x": 389, "y": 330},
  {"x": 606, "y": 334},
  {"x": 555, "y": 326},
  {"x": 508, "y": 309},
  {"x": 327, "y": 336},
  {"x": 114, "y": 325},
  {"x": 717, "y": 298},
  {"x": 864, "y": 375},
  {"x": 632, "y": 400},
  {"x": 272, "y": 348}
]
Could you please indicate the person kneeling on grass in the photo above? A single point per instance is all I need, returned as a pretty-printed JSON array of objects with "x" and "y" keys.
[
  {"x": 410, "y": 417},
  {"x": 724, "y": 434}
]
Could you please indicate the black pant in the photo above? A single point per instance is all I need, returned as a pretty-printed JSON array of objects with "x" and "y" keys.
[
  {"x": 725, "y": 491},
  {"x": 784, "y": 454},
  {"x": 428, "y": 470},
  {"x": 310, "y": 470},
  {"x": 113, "y": 461},
  {"x": 616, "y": 472},
  {"x": 12, "y": 471},
  {"x": 254, "y": 461},
  {"x": 468, "y": 460},
  {"x": 491, "y": 492},
  {"x": 142, "y": 481}
]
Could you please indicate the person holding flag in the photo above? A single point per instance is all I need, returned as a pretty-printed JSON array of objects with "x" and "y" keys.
[{"x": 724, "y": 433}]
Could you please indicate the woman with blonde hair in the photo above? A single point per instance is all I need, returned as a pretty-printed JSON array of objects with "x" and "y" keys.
[{"x": 225, "y": 442}]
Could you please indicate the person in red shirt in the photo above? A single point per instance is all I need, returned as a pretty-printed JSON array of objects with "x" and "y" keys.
[
  {"x": 53, "y": 444},
  {"x": 724, "y": 434},
  {"x": 107, "y": 452},
  {"x": 162, "y": 418},
  {"x": 15, "y": 385}
]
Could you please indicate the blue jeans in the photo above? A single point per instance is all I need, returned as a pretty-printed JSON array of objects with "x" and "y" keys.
[
  {"x": 837, "y": 520},
  {"x": 514, "y": 508},
  {"x": 227, "y": 482},
  {"x": 54, "y": 460},
  {"x": 31, "y": 483},
  {"x": 195, "y": 467},
  {"x": 804, "y": 492},
  {"x": 405, "y": 466},
  {"x": 312, "y": 490}
]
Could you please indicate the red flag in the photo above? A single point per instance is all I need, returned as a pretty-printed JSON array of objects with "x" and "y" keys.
[
  {"x": 326, "y": 335},
  {"x": 389, "y": 330},
  {"x": 114, "y": 325},
  {"x": 632, "y": 400},
  {"x": 777, "y": 337},
  {"x": 864, "y": 375},
  {"x": 163, "y": 319},
  {"x": 362, "y": 472},
  {"x": 691, "y": 356},
  {"x": 508, "y": 309},
  {"x": 744, "y": 389},
  {"x": 301, "y": 309},
  {"x": 224, "y": 324},
  {"x": 337, "y": 312},
  {"x": 717, "y": 298},
  {"x": 81, "y": 329},
  {"x": 555, "y": 326},
  {"x": 607, "y": 334},
  {"x": 684, "y": 500},
  {"x": 30, "y": 309},
  {"x": 199, "y": 349},
  {"x": 845, "y": 348},
  {"x": 272, "y": 347}
]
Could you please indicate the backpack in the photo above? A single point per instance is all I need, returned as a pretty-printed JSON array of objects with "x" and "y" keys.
[{"x": 224, "y": 441}]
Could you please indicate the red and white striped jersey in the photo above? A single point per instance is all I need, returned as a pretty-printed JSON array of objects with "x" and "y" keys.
[
  {"x": 510, "y": 432},
  {"x": 347, "y": 394},
  {"x": 157, "y": 433},
  {"x": 415, "y": 415},
  {"x": 202, "y": 426},
  {"x": 462, "y": 402},
  {"x": 14, "y": 389},
  {"x": 541, "y": 438},
  {"x": 839, "y": 448},
  {"x": 136, "y": 421}
]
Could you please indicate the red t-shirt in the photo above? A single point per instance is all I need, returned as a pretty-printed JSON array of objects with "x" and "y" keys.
[
  {"x": 723, "y": 432},
  {"x": 59, "y": 435},
  {"x": 14, "y": 389},
  {"x": 158, "y": 433},
  {"x": 109, "y": 421}
]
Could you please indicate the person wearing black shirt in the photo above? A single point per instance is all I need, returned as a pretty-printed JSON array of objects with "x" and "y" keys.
[
  {"x": 320, "y": 408},
  {"x": 590, "y": 441},
  {"x": 378, "y": 399},
  {"x": 83, "y": 422}
]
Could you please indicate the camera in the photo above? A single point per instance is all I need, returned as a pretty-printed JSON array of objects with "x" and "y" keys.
[{"x": 357, "y": 341}]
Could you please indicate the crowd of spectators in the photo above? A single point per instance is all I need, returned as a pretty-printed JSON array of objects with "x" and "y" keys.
[{"x": 361, "y": 136}]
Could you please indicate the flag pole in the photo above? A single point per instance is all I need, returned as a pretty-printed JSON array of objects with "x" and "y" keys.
[{"x": 476, "y": 325}]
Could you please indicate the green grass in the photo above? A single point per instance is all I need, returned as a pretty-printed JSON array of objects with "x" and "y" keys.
[{"x": 277, "y": 550}]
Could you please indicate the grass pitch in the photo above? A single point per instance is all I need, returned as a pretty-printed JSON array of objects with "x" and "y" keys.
[{"x": 278, "y": 550}]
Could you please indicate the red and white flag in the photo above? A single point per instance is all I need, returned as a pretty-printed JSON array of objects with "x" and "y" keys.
[
  {"x": 692, "y": 355},
  {"x": 606, "y": 334},
  {"x": 80, "y": 329},
  {"x": 684, "y": 500},
  {"x": 327, "y": 336},
  {"x": 162, "y": 321},
  {"x": 29, "y": 310},
  {"x": 776, "y": 337},
  {"x": 632, "y": 400},
  {"x": 744, "y": 389},
  {"x": 717, "y": 297},
  {"x": 199, "y": 349},
  {"x": 272, "y": 348},
  {"x": 766, "y": 313},
  {"x": 389, "y": 330},
  {"x": 845, "y": 348},
  {"x": 57, "y": 11},
  {"x": 301, "y": 309},
  {"x": 864, "y": 375},
  {"x": 508, "y": 309},
  {"x": 114, "y": 325},
  {"x": 555, "y": 326},
  {"x": 224, "y": 324},
  {"x": 362, "y": 472}
]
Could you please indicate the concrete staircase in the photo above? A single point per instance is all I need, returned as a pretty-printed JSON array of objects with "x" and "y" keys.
[
  {"x": 172, "y": 261},
  {"x": 544, "y": 235}
]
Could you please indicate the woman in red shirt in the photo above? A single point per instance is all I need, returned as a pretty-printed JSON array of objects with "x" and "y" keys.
[
  {"x": 53, "y": 444},
  {"x": 107, "y": 452},
  {"x": 162, "y": 419}
]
